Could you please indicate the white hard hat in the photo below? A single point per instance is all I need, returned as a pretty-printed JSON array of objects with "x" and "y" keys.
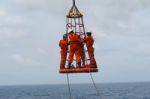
[
  {"x": 88, "y": 30},
  {"x": 69, "y": 30}
]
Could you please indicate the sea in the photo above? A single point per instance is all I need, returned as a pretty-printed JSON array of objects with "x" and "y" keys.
[{"x": 78, "y": 91}]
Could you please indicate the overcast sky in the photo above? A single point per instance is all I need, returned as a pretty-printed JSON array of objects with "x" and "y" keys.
[{"x": 30, "y": 31}]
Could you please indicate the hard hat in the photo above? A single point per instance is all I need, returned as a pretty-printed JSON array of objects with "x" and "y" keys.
[
  {"x": 65, "y": 36},
  {"x": 88, "y": 30},
  {"x": 70, "y": 30}
]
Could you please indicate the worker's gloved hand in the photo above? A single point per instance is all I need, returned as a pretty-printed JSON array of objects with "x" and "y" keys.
[{"x": 68, "y": 43}]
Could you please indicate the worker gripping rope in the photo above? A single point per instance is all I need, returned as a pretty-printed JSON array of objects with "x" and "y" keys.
[
  {"x": 89, "y": 43},
  {"x": 64, "y": 48},
  {"x": 74, "y": 49}
]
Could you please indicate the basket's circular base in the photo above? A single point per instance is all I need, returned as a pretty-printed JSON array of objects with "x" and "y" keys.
[{"x": 78, "y": 70}]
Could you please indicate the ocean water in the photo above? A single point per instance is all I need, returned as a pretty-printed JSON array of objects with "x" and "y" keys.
[{"x": 80, "y": 91}]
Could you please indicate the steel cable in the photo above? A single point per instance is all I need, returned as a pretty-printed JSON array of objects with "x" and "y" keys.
[
  {"x": 70, "y": 96},
  {"x": 98, "y": 93}
]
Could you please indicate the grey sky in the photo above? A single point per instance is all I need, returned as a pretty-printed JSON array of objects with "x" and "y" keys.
[{"x": 30, "y": 31}]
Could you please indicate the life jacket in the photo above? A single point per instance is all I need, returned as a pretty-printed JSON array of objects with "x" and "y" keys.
[
  {"x": 63, "y": 44},
  {"x": 89, "y": 41}
]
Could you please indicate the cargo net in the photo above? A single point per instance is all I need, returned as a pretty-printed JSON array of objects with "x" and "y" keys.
[
  {"x": 78, "y": 27},
  {"x": 74, "y": 21}
]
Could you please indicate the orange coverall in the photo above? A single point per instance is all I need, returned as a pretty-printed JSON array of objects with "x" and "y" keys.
[
  {"x": 64, "y": 47},
  {"x": 82, "y": 53},
  {"x": 89, "y": 43},
  {"x": 74, "y": 49}
]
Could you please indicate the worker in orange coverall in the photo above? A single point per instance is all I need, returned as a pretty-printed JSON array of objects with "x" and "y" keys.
[
  {"x": 74, "y": 49},
  {"x": 64, "y": 48},
  {"x": 82, "y": 53},
  {"x": 89, "y": 43}
]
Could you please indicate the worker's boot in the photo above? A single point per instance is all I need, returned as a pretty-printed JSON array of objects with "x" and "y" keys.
[
  {"x": 93, "y": 64},
  {"x": 83, "y": 64},
  {"x": 79, "y": 65},
  {"x": 69, "y": 65}
]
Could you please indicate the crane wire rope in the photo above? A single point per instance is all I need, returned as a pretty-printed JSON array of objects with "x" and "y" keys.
[
  {"x": 98, "y": 93},
  {"x": 69, "y": 89}
]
